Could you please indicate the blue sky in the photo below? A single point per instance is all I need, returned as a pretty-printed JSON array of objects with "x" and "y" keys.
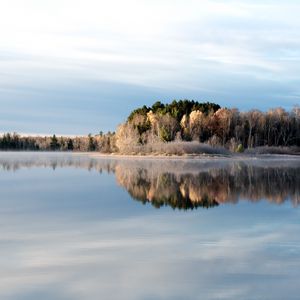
[{"x": 74, "y": 67}]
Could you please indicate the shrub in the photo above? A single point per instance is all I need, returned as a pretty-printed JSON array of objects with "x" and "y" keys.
[
  {"x": 274, "y": 150},
  {"x": 240, "y": 148},
  {"x": 165, "y": 134}
]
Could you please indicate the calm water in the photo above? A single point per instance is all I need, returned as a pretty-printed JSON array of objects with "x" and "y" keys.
[{"x": 74, "y": 227}]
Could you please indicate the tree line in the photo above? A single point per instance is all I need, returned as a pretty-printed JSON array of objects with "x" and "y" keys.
[
  {"x": 101, "y": 142},
  {"x": 209, "y": 123},
  {"x": 181, "y": 121}
]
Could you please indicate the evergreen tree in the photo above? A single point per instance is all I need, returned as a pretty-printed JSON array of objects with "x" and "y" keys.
[
  {"x": 70, "y": 145},
  {"x": 54, "y": 145},
  {"x": 91, "y": 146}
]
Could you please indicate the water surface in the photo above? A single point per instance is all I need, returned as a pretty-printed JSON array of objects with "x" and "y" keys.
[{"x": 79, "y": 227}]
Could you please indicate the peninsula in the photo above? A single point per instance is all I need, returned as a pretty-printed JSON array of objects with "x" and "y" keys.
[{"x": 179, "y": 128}]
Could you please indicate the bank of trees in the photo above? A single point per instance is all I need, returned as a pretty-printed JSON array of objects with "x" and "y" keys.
[
  {"x": 150, "y": 129},
  {"x": 186, "y": 120},
  {"x": 102, "y": 143}
]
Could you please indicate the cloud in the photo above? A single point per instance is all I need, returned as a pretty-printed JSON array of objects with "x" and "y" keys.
[{"x": 175, "y": 46}]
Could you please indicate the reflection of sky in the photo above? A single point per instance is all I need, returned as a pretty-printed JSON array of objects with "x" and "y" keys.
[
  {"x": 74, "y": 234},
  {"x": 81, "y": 66}
]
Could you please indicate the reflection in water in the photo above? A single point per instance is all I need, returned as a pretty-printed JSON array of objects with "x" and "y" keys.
[
  {"x": 74, "y": 234},
  {"x": 214, "y": 186},
  {"x": 185, "y": 184}
]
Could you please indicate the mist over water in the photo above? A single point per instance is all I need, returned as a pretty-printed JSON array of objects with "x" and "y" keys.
[{"x": 74, "y": 227}]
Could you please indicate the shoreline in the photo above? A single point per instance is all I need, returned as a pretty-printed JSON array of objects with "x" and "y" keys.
[{"x": 196, "y": 157}]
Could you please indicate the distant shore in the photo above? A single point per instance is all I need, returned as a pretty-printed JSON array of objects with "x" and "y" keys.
[
  {"x": 194, "y": 156},
  {"x": 204, "y": 156}
]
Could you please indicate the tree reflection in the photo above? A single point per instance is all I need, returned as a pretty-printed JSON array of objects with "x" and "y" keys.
[
  {"x": 214, "y": 186},
  {"x": 184, "y": 184}
]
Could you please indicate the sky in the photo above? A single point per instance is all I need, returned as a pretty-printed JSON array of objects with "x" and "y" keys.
[{"x": 78, "y": 67}]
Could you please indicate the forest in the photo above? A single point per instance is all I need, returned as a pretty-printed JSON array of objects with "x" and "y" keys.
[
  {"x": 183, "y": 126},
  {"x": 208, "y": 124},
  {"x": 101, "y": 142}
]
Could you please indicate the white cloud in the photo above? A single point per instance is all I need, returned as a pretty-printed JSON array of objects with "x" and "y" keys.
[
  {"x": 199, "y": 49},
  {"x": 159, "y": 37}
]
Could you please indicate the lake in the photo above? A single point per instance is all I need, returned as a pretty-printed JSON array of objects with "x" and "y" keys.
[{"x": 74, "y": 226}]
